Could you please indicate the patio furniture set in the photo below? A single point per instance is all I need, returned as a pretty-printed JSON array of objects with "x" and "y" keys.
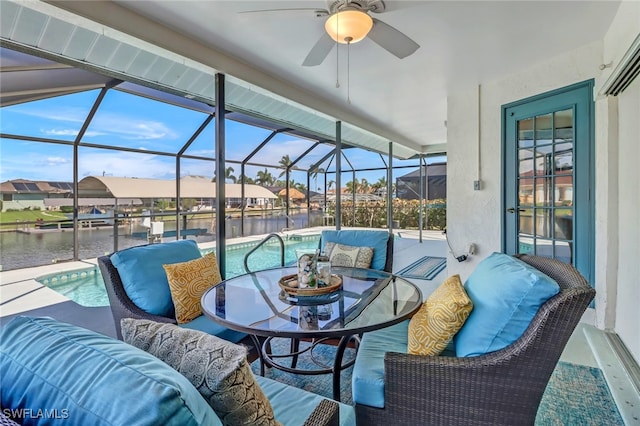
[{"x": 173, "y": 364}]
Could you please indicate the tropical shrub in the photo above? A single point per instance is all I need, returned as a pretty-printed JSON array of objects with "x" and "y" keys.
[{"x": 405, "y": 212}]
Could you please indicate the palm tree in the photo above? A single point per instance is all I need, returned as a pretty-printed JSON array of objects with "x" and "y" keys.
[
  {"x": 330, "y": 184},
  {"x": 352, "y": 186},
  {"x": 364, "y": 188},
  {"x": 285, "y": 162},
  {"x": 264, "y": 178},
  {"x": 314, "y": 175},
  {"x": 228, "y": 175},
  {"x": 380, "y": 185},
  {"x": 247, "y": 179}
]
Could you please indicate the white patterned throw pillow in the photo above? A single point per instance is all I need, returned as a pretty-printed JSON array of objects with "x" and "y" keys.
[{"x": 350, "y": 256}]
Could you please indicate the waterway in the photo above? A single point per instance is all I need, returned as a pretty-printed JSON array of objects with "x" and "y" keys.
[{"x": 23, "y": 250}]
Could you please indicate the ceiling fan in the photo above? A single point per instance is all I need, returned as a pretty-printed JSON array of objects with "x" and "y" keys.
[{"x": 348, "y": 22}]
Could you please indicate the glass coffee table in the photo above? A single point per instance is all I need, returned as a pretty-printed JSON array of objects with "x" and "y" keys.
[{"x": 256, "y": 304}]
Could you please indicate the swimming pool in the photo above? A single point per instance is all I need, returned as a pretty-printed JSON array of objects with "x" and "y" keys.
[{"x": 86, "y": 287}]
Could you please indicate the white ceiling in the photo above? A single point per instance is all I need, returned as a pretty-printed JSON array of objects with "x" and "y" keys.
[{"x": 463, "y": 44}]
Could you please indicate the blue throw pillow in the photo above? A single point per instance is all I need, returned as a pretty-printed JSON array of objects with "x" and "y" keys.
[
  {"x": 143, "y": 277},
  {"x": 56, "y": 372},
  {"x": 361, "y": 238},
  {"x": 506, "y": 295}
]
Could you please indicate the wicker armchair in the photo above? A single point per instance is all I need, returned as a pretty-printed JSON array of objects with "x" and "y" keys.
[
  {"x": 502, "y": 387},
  {"x": 121, "y": 305}
]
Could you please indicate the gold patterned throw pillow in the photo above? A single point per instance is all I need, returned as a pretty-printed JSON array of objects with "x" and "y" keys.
[
  {"x": 217, "y": 368},
  {"x": 344, "y": 255},
  {"x": 188, "y": 281},
  {"x": 439, "y": 318}
]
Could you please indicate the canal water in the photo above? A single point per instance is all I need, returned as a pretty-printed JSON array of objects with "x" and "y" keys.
[{"x": 23, "y": 250}]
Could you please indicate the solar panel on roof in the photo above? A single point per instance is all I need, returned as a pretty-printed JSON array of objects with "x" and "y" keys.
[
  {"x": 20, "y": 186},
  {"x": 62, "y": 185},
  {"x": 32, "y": 187}
]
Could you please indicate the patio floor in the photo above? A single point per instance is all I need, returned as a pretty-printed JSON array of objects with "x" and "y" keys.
[{"x": 20, "y": 294}]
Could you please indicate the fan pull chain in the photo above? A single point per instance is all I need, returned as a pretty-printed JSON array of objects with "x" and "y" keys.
[
  {"x": 337, "y": 55},
  {"x": 348, "y": 39},
  {"x": 337, "y": 68}
]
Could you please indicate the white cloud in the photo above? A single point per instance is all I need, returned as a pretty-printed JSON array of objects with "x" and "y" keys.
[
  {"x": 56, "y": 161},
  {"x": 202, "y": 152},
  {"x": 131, "y": 128},
  {"x": 127, "y": 164},
  {"x": 69, "y": 132},
  {"x": 56, "y": 132},
  {"x": 36, "y": 166},
  {"x": 105, "y": 123},
  {"x": 64, "y": 114}
]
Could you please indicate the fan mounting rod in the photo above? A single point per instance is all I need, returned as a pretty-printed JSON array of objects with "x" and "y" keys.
[{"x": 375, "y": 6}]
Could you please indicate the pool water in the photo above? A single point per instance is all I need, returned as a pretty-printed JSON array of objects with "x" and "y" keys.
[
  {"x": 86, "y": 287},
  {"x": 83, "y": 286}
]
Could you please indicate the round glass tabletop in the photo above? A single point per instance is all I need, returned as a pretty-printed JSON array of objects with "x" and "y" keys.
[{"x": 256, "y": 304}]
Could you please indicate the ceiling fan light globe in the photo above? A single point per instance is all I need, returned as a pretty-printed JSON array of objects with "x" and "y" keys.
[{"x": 348, "y": 26}]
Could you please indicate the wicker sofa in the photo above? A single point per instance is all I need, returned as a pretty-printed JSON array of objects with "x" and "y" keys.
[
  {"x": 500, "y": 387},
  {"x": 380, "y": 241},
  {"x": 56, "y": 372}
]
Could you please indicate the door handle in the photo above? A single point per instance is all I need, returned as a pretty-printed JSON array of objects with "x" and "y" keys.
[{"x": 513, "y": 210}]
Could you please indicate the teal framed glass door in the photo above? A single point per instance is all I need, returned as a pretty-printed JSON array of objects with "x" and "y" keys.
[{"x": 548, "y": 176}]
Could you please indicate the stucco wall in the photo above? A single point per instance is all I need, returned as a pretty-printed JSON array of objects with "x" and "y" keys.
[{"x": 627, "y": 323}]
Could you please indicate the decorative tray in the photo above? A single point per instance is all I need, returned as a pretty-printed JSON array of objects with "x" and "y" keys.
[{"x": 289, "y": 283}]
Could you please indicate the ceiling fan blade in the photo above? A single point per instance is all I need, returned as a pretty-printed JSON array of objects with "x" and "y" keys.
[
  {"x": 319, "y": 51},
  {"x": 321, "y": 12},
  {"x": 391, "y": 39}
]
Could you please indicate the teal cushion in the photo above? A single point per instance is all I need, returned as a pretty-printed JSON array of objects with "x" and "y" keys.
[
  {"x": 206, "y": 325},
  {"x": 50, "y": 365},
  {"x": 361, "y": 238},
  {"x": 143, "y": 277},
  {"x": 292, "y": 406},
  {"x": 506, "y": 295},
  {"x": 367, "y": 384}
]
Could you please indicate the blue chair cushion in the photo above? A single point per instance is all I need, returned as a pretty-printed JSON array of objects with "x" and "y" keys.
[
  {"x": 367, "y": 384},
  {"x": 506, "y": 295},
  {"x": 361, "y": 238},
  {"x": 206, "y": 325},
  {"x": 92, "y": 379},
  {"x": 292, "y": 406},
  {"x": 143, "y": 277}
]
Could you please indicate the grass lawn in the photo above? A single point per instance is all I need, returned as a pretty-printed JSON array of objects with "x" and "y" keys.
[{"x": 8, "y": 219}]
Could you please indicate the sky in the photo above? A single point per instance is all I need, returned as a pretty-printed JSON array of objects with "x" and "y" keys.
[{"x": 129, "y": 121}]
